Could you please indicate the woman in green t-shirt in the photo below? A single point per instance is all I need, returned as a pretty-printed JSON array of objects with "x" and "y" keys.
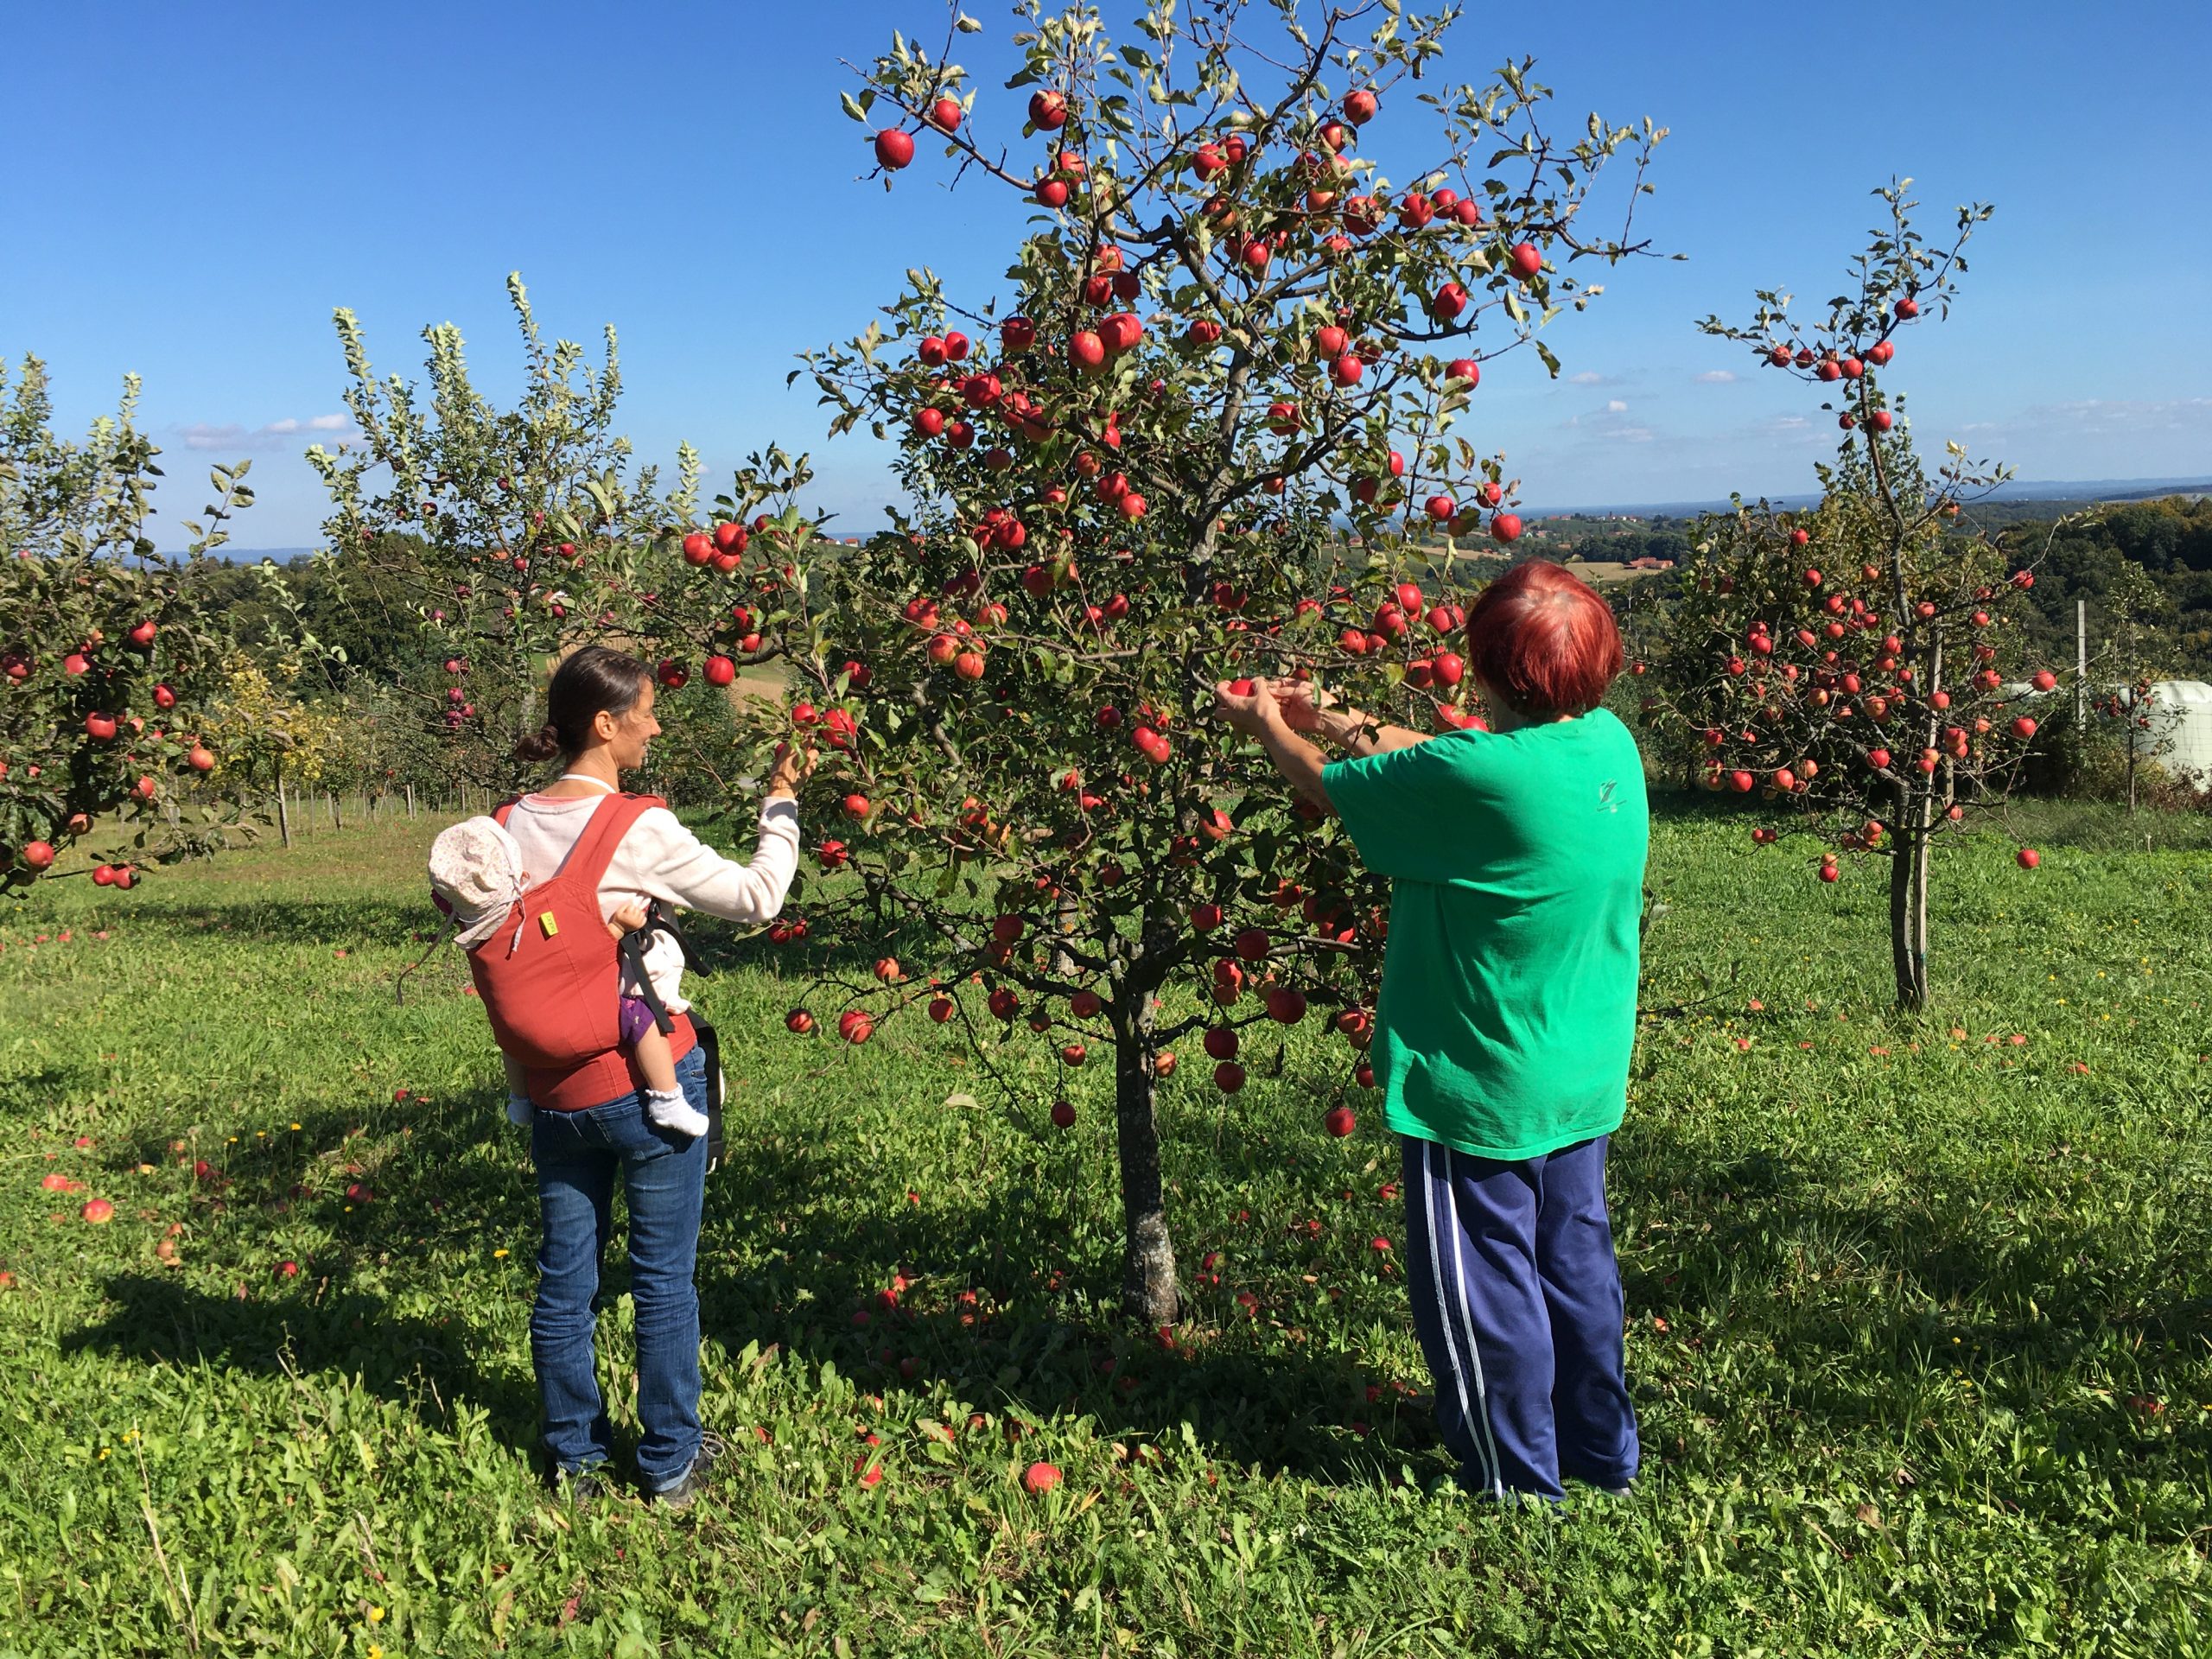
[{"x": 1506, "y": 1017}]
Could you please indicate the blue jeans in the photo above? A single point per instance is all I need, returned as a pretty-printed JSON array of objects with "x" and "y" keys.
[
  {"x": 1516, "y": 1299},
  {"x": 578, "y": 1155}
]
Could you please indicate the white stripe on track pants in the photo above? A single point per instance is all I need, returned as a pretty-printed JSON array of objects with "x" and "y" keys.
[{"x": 1516, "y": 1299}]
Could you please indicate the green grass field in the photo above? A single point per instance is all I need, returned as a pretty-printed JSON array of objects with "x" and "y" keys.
[{"x": 1919, "y": 1309}]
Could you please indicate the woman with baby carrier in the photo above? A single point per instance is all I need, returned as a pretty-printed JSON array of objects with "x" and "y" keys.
[{"x": 557, "y": 898}]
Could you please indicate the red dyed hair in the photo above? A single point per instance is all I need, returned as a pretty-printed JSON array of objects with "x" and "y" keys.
[{"x": 1542, "y": 641}]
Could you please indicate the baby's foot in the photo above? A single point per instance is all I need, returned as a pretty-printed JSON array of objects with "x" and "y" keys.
[{"x": 667, "y": 1108}]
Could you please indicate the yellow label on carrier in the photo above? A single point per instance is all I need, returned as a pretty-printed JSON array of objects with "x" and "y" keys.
[{"x": 547, "y": 925}]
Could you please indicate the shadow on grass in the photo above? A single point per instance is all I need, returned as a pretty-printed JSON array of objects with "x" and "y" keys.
[
  {"x": 366, "y": 1202},
  {"x": 1013, "y": 1309},
  {"x": 775, "y": 1267},
  {"x": 2052, "y": 1309}
]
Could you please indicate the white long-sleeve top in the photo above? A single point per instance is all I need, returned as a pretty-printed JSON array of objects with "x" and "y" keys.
[{"x": 658, "y": 858}]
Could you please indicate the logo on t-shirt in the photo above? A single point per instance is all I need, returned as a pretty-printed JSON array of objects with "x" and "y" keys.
[{"x": 1606, "y": 801}]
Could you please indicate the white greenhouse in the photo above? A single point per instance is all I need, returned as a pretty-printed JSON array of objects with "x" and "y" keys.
[{"x": 2181, "y": 719}]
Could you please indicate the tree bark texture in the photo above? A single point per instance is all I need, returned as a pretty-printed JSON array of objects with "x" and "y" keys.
[
  {"x": 1148, "y": 1292},
  {"x": 1909, "y": 914}
]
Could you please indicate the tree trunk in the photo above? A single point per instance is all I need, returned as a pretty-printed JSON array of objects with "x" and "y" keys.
[
  {"x": 1148, "y": 1292},
  {"x": 335, "y": 822},
  {"x": 1908, "y": 913},
  {"x": 284, "y": 811}
]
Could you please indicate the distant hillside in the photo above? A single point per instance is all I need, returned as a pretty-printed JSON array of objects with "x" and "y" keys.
[{"x": 2058, "y": 496}]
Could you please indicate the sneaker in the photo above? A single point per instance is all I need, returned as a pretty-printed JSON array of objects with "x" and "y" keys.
[
  {"x": 581, "y": 1486},
  {"x": 694, "y": 1479}
]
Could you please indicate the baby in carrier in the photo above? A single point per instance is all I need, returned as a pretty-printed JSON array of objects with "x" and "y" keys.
[{"x": 476, "y": 876}]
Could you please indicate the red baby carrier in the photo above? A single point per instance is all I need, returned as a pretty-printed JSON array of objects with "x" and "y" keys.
[{"x": 550, "y": 974}]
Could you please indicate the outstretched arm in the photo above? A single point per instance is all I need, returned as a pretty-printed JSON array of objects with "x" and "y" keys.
[
  {"x": 661, "y": 858},
  {"x": 1306, "y": 709}
]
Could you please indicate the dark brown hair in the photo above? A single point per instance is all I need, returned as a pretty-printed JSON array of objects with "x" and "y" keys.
[{"x": 596, "y": 678}]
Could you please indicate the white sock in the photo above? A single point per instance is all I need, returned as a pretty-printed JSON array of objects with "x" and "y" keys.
[{"x": 669, "y": 1110}]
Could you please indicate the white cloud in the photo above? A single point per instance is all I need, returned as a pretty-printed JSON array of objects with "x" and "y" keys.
[
  {"x": 1631, "y": 435},
  {"x": 1717, "y": 378},
  {"x": 1616, "y": 407},
  {"x": 276, "y": 434},
  {"x": 1586, "y": 378}
]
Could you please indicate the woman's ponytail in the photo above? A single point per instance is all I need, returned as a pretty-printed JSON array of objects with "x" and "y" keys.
[{"x": 540, "y": 746}]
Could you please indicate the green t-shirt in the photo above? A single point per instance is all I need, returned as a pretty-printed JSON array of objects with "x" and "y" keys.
[{"x": 1508, "y": 1009}]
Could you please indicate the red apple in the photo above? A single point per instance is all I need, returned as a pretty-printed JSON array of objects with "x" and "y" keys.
[
  {"x": 1360, "y": 107},
  {"x": 1340, "y": 1121},
  {"x": 1040, "y": 1477},
  {"x": 2028, "y": 858},
  {"x": 799, "y": 1020},
  {"x": 1526, "y": 260},
  {"x": 893, "y": 148},
  {"x": 38, "y": 855},
  {"x": 1048, "y": 111},
  {"x": 1505, "y": 527},
  {"x": 1063, "y": 1115},
  {"x": 98, "y": 1210},
  {"x": 944, "y": 114},
  {"x": 1467, "y": 369},
  {"x": 1229, "y": 1076}
]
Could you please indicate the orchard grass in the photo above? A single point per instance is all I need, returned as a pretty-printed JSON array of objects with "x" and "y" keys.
[{"x": 1917, "y": 1306}]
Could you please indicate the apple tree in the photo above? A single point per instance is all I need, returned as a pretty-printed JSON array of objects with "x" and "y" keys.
[
  {"x": 2137, "y": 616},
  {"x": 507, "y": 536},
  {"x": 1212, "y": 428},
  {"x": 1852, "y": 659},
  {"x": 105, "y": 662}
]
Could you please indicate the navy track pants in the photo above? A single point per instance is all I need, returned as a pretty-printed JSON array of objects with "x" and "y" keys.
[{"x": 1516, "y": 1299}]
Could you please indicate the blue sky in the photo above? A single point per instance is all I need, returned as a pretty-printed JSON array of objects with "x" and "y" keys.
[{"x": 206, "y": 182}]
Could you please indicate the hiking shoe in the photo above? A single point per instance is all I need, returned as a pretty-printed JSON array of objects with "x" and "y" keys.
[
  {"x": 694, "y": 1479},
  {"x": 582, "y": 1486}
]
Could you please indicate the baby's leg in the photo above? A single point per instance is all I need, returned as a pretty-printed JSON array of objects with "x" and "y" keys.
[
  {"x": 518, "y": 1108},
  {"x": 665, "y": 1106},
  {"x": 656, "y": 1060}
]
